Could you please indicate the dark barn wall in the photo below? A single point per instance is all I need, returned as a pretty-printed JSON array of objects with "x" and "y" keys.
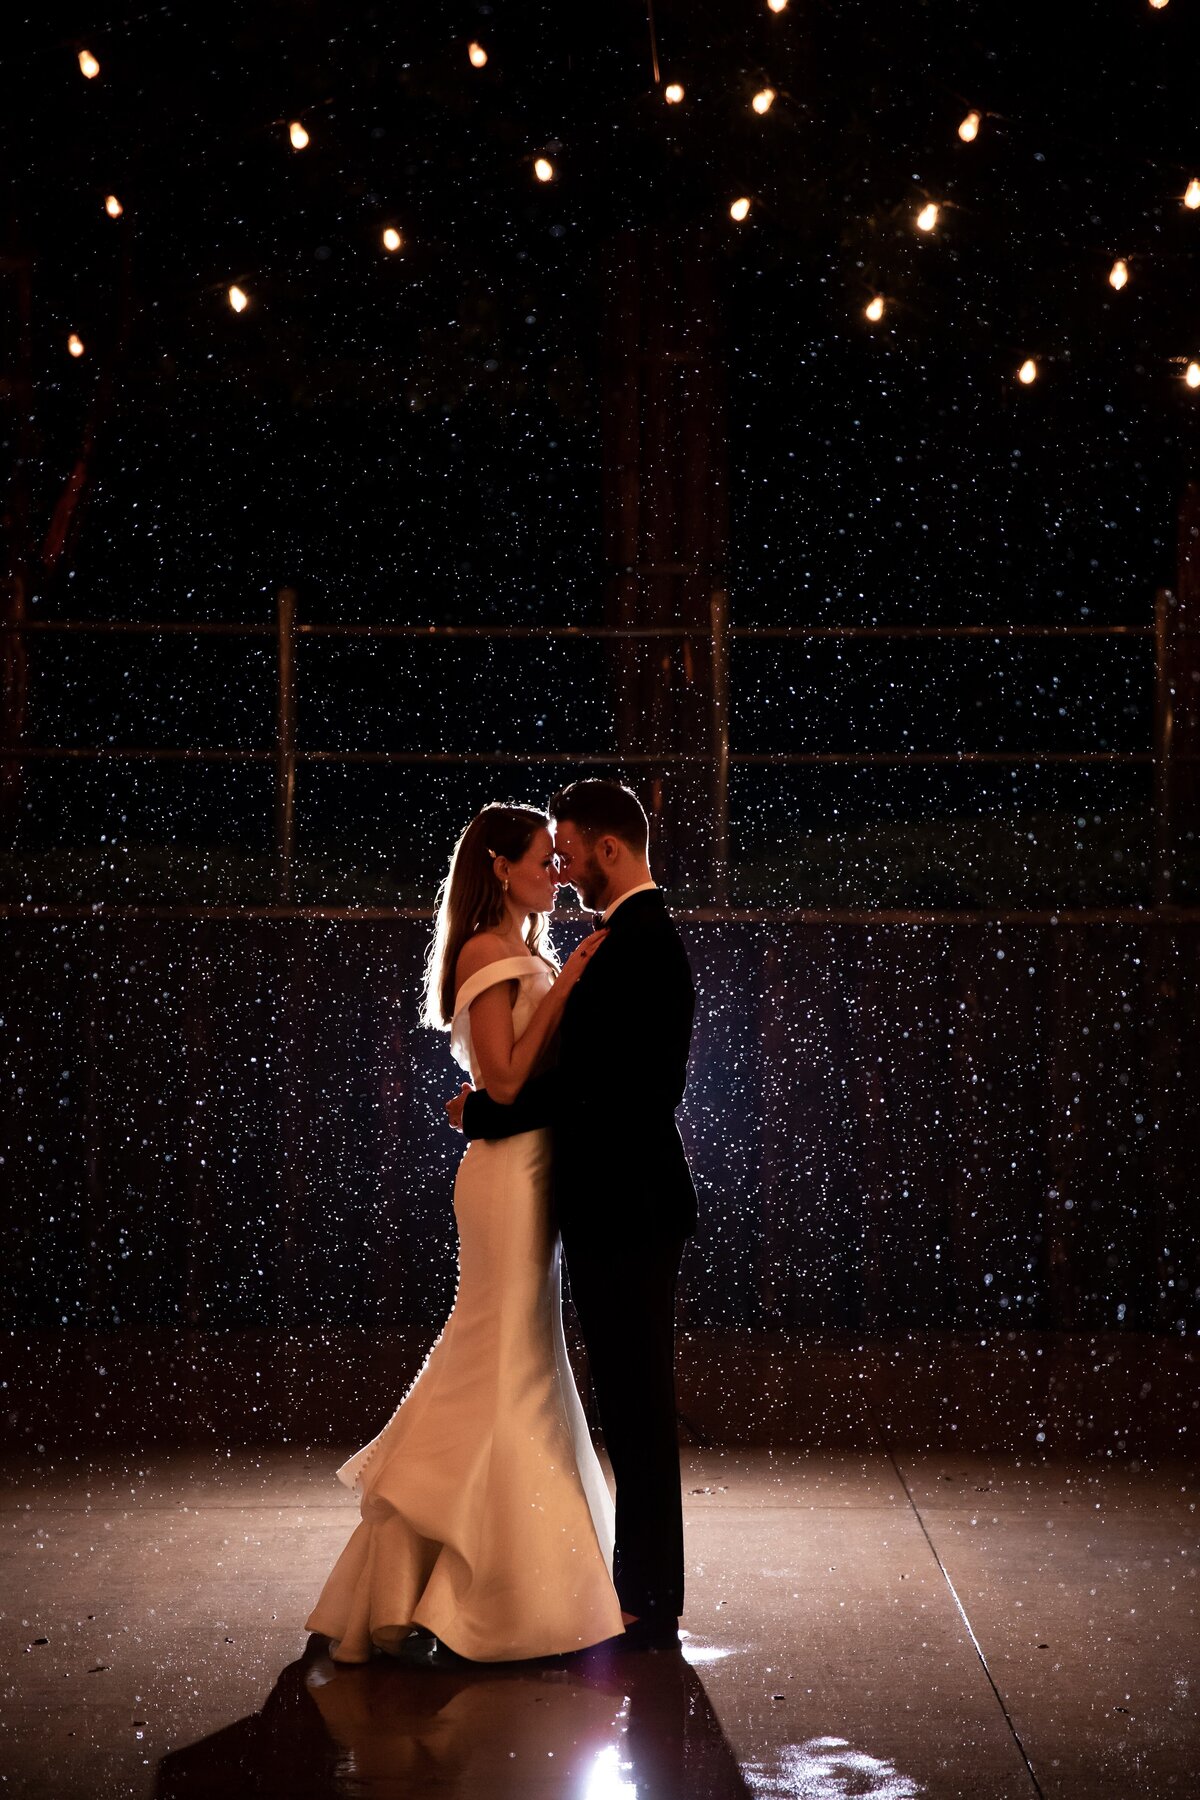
[{"x": 238, "y": 1123}]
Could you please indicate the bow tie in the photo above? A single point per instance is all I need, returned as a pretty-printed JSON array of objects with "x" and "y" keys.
[{"x": 597, "y": 921}]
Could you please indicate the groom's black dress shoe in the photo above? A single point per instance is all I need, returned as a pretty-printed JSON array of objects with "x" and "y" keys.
[
  {"x": 421, "y": 1650},
  {"x": 650, "y": 1634}
]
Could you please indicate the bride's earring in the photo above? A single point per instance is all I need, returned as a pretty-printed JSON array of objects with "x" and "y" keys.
[{"x": 504, "y": 884}]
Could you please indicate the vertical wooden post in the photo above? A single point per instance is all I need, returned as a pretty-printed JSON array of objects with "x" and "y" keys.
[{"x": 285, "y": 759}]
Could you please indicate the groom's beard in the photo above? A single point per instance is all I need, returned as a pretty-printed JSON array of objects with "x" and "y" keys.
[{"x": 591, "y": 887}]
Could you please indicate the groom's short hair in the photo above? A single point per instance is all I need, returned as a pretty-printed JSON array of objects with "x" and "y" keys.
[{"x": 603, "y": 808}]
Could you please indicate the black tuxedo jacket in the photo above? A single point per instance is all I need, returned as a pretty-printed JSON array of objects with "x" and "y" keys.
[{"x": 618, "y": 1162}]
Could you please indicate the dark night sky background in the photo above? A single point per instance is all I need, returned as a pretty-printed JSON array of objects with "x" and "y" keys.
[{"x": 415, "y": 438}]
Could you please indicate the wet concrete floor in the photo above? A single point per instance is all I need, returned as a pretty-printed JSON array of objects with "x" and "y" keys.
[{"x": 893, "y": 1624}]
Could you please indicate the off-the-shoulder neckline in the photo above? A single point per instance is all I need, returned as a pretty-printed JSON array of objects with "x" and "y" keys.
[{"x": 489, "y": 969}]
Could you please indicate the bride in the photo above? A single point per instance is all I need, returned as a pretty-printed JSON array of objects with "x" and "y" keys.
[{"x": 486, "y": 1519}]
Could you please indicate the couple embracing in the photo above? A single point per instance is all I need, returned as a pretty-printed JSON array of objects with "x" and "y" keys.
[{"x": 487, "y": 1529}]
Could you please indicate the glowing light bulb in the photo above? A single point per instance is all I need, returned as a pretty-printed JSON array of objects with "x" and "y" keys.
[
  {"x": 298, "y": 135},
  {"x": 1191, "y": 198},
  {"x": 740, "y": 209},
  {"x": 237, "y": 299},
  {"x": 88, "y": 65},
  {"x": 1191, "y": 375},
  {"x": 543, "y": 170},
  {"x": 673, "y": 94},
  {"x": 1027, "y": 371},
  {"x": 1158, "y": 4},
  {"x": 874, "y": 309},
  {"x": 75, "y": 345},
  {"x": 113, "y": 207},
  {"x": 777, "y": 6},
  {"x": 927, "y": 218},
  {"x": 478, "y": 56},
  {"x": 1118, "y": 275},
  {"x": 764, "y": 100},
  {"x": 392, "y": 239},
  {"x": 968, "y": 131}
]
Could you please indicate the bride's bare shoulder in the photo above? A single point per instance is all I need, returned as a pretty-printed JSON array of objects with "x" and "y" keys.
[{"x": 478, "y": 951}]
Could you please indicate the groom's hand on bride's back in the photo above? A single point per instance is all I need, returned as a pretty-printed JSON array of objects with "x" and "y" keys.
[{"x": 454, "y": 1108}]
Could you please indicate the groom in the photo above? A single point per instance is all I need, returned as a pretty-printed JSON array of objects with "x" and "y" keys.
[{"x": 624, "y": 1199}]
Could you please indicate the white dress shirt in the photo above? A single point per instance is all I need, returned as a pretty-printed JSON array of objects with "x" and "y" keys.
[{"x": 643, "y": 887}]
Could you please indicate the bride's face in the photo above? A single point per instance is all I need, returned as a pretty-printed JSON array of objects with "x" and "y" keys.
[{"x": 533, "y": 881}]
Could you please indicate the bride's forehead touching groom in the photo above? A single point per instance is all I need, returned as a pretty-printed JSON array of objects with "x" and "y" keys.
[{"x": 487, "y": 1526}]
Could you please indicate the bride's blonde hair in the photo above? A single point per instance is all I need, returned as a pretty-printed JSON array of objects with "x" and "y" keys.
[{"x": 471, "y": 899}]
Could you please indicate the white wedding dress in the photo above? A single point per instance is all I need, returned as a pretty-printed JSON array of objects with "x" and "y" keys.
[{"x": 486, "y": 1517}]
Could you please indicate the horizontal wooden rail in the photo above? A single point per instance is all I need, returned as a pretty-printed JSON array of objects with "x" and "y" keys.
[
  {"x": 592, "y": 759},
  {"x": 215, "y": 628}
]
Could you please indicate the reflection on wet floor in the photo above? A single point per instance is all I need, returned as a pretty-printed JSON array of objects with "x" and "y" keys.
[
  {"x": 953, "y": 1627},
  {"x": 599, "y": 1726},
  {"x": 829, "y": 1768}
]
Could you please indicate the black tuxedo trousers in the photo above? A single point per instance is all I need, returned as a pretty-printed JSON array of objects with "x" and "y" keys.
[
  {"x": 625, "y": 1205},
  {"x": 626, "y": 1305}
]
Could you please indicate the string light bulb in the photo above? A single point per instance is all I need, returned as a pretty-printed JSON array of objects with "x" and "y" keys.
[
  {"x": 113, "y": 207},
  {"x": 1027, "y": 371},
  {"x": 968, "y": 131},
  {"x": 392, "y": 240},
  {"x": 75, "y": 345},
  {"x": 777, "y": 6},
  {"x": 740, "y": 209},
  {"x": 927, "y": 218},
  {"x": 874, "y": 309},
  {"x": 237, "y": 299},
  {"x": 1118, "y": 275},
  {"x": 298, "y": 135},
  {"x": 1192, "y": 375},
  {"x": 543, "y": 169},
  {"x": 764, "y": 100},
  {"x": 1191, "y": 198},
  {"x": 673, "y": 93},
  {"x": 1158, "y": 4},
  {"x": 88, "y": 66},
  {"x": 478, "y": 56}
]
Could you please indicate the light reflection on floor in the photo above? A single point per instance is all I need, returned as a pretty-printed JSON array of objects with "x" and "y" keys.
[
  {"x": 610, "y": 1778},
  {"x": 827, "y": 1768},
  {"x": 696, "y": 1652},
  {"x": 600, "y": 1726},
  {"x": 596, "y": 1727},
  {"x": 612, "y": 1727}
]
